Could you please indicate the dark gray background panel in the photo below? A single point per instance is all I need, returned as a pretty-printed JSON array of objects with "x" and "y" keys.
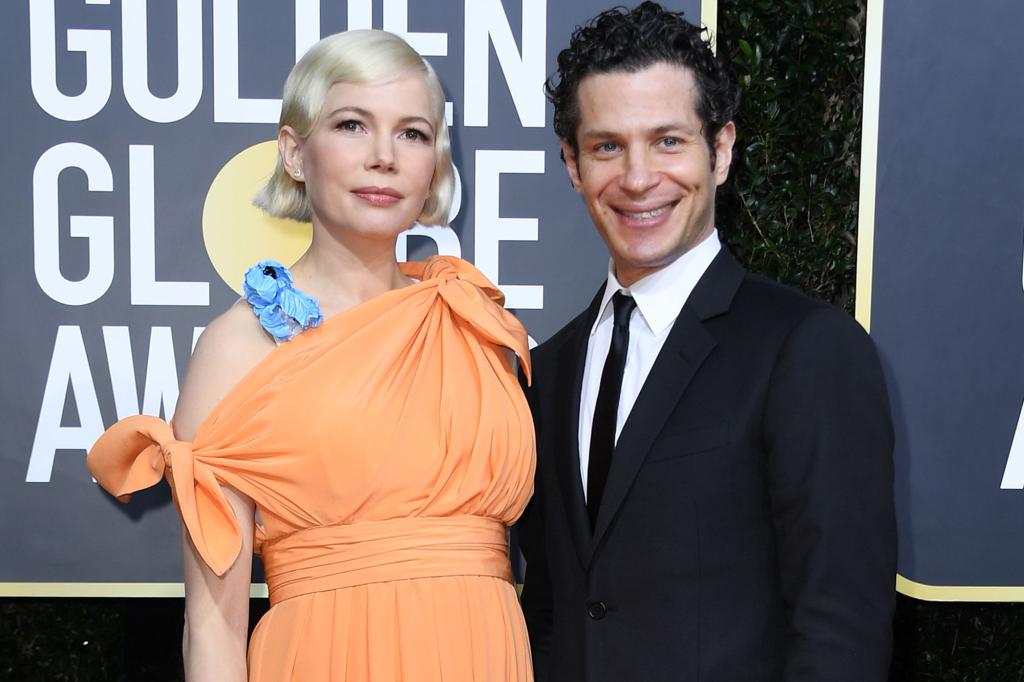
[{"x": 947, "y": 304}]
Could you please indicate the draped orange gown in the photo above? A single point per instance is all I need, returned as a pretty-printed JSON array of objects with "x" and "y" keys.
[{"x": 386, "y": 450}]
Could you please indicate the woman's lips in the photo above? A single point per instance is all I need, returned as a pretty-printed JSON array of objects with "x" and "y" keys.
[{"x": 378, "y": 196}]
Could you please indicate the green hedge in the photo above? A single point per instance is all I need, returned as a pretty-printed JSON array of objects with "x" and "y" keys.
[
  {"x": 794, "y": 183},
  {"x": 790, "y": 212}
]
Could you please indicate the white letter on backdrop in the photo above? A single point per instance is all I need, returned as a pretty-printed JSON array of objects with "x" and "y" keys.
[
  {"x": 99, "y": 230},
  {"x": 360, "y": 14},
  {"x": 1013, "y": 474},
  {"x": 43, "y": 56},
  {"x": 396, "y": 20},
  {"x": 141, "y": 217},
  {"x": 228, "y": 107},
  {"x": 135, "y": 62},
  {"x": 69, "y": 365},
  {"x": 491, "y": 229},
  {"x": 486, "y": 22},
  {"x": 307, "y": 25}
]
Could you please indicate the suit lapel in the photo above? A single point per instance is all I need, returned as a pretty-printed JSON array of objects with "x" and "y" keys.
[
  {"x": 685, "y": 349},
  {"x": 571, "y": 361}
]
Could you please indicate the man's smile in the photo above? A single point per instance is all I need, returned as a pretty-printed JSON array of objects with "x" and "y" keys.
[{"x": 644, "y": 216}]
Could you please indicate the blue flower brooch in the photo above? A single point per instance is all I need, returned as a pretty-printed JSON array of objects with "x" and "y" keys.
[{"x": 283, "y": 310}]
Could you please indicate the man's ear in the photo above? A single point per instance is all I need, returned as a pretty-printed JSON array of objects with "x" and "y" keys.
[
  {"x": 571, "y": 166},
  {"x": 724, "y": 141},
  {"x": 289, "y": 144}
]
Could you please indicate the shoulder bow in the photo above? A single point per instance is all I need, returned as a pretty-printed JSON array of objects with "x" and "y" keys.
[
  {"x": 136, "y": 452},
  {"x": 475, "y": 299}
]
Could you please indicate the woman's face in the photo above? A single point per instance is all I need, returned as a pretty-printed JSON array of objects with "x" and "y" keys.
[{"x": 368, "y": 162}]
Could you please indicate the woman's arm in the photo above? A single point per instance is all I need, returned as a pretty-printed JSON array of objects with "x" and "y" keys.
[{"x": 217, "y": 607}]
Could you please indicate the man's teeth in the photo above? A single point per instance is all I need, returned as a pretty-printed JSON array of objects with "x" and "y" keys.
[{"x": 644, "y": 215}]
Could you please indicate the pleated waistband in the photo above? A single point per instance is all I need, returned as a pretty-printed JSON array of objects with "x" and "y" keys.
[{"x": 334, "y": 557}]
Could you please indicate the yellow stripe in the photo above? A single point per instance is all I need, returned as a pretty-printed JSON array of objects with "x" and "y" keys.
[
  {"x": 869, "y": 161},
  {"x": 105, "y": 590},
  {"x": 957, "y": 592},
  {"x": 904, "y": 586},
  {"x": 709, "y": 19}
]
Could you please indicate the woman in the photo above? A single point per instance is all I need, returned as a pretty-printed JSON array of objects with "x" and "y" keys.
[{"x": 367, "y": 410}]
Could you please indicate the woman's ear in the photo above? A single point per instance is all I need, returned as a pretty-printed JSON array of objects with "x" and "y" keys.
[{"x": 289, "y": 144}]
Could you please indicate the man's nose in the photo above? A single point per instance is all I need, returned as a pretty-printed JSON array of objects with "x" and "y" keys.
[{"x": 639, "y": 174}]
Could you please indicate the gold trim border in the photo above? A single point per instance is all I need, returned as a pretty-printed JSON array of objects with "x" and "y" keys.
[
  {"x": 975, "y": 593},
  {"x": 869, "y": 160},
  {"x": 904, "y": 586},
  {"x": 257, "y": 590},
  {"x": 709, "y": 18}
]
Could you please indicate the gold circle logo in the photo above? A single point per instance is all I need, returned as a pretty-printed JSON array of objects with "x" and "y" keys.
[{"x": 236, "y": 233}]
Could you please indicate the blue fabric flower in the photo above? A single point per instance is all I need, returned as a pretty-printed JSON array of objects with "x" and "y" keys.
[{"x": 282, "y": 310}]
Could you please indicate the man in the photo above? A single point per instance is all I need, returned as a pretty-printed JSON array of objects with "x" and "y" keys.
[{"x": 714, "y": 489}]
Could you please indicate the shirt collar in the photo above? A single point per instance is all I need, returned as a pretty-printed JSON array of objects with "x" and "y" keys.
[{"x": 661, "y": 295}]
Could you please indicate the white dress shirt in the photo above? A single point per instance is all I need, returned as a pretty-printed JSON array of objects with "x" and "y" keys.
[{"x": 659, "y": 298}]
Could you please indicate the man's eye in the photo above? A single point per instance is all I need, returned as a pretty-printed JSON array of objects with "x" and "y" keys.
[
  {"x": 607, "y": 147},
  {"x": 670, "y": 141}
]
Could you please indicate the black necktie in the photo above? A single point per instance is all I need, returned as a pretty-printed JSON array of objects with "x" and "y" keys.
[{"x": 602, "y": 433}]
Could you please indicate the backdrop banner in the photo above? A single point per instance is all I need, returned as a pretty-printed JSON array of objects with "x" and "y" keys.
[
  {"x": 137, "y": 134},
  {"x": 944, "y": 296}
]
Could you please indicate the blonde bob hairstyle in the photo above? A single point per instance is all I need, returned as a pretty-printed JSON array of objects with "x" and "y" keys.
[{"x": 362, "y": 57}]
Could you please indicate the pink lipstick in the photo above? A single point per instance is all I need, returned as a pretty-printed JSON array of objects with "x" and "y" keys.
[{"x": 378, "y": 196}]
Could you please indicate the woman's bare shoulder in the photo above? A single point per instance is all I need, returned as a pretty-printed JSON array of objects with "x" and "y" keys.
[{"x": 230, "y": 346}]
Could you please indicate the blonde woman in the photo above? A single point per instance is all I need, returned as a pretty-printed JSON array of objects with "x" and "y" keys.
[{"x": 366, "y": 409}]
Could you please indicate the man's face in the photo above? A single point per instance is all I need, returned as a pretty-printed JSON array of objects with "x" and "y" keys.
[{"x": 644, "y": 167}]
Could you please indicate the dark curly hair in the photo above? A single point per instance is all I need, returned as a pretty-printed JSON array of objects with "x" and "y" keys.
[{"x": 627, "y": 40}]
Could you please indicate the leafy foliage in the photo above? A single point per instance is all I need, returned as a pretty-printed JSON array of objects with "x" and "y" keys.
[
  {"x": 944, "y": 642},
  {"x": 790, "y": 208},
  {"x": 64, "y": 640}
]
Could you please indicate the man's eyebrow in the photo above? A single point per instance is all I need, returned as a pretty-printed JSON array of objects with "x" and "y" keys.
[
  {"x": 672, "y": 127},
  {"x": 598, "y": 134}
]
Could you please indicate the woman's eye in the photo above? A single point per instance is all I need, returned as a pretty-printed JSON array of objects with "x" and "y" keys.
[
  {"x": 350, "y": 125},
  {"x": 413, "y": 134}
]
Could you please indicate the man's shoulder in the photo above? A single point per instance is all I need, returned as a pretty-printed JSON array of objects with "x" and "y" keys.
[
  {"x": 788, "y": 311},
  {"x": 778, "y": 300}
]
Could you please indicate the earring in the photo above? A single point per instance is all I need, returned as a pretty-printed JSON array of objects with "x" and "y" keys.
[{"x": 297, "y": 172}]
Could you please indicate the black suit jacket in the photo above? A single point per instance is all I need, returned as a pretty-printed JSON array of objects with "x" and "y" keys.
[{"x": 747, "y": 530}]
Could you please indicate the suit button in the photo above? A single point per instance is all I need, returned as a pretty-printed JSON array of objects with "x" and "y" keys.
[{"x": 596, "y": 610}]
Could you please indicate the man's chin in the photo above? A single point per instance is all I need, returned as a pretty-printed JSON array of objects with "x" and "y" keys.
[{"x": 633, "y": 269}]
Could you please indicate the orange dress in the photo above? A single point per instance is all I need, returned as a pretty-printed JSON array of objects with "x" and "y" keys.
[{"x": 386, "y": 450}]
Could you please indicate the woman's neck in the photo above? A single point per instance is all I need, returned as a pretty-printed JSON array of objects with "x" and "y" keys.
[{"x": 344, "y": 274}]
